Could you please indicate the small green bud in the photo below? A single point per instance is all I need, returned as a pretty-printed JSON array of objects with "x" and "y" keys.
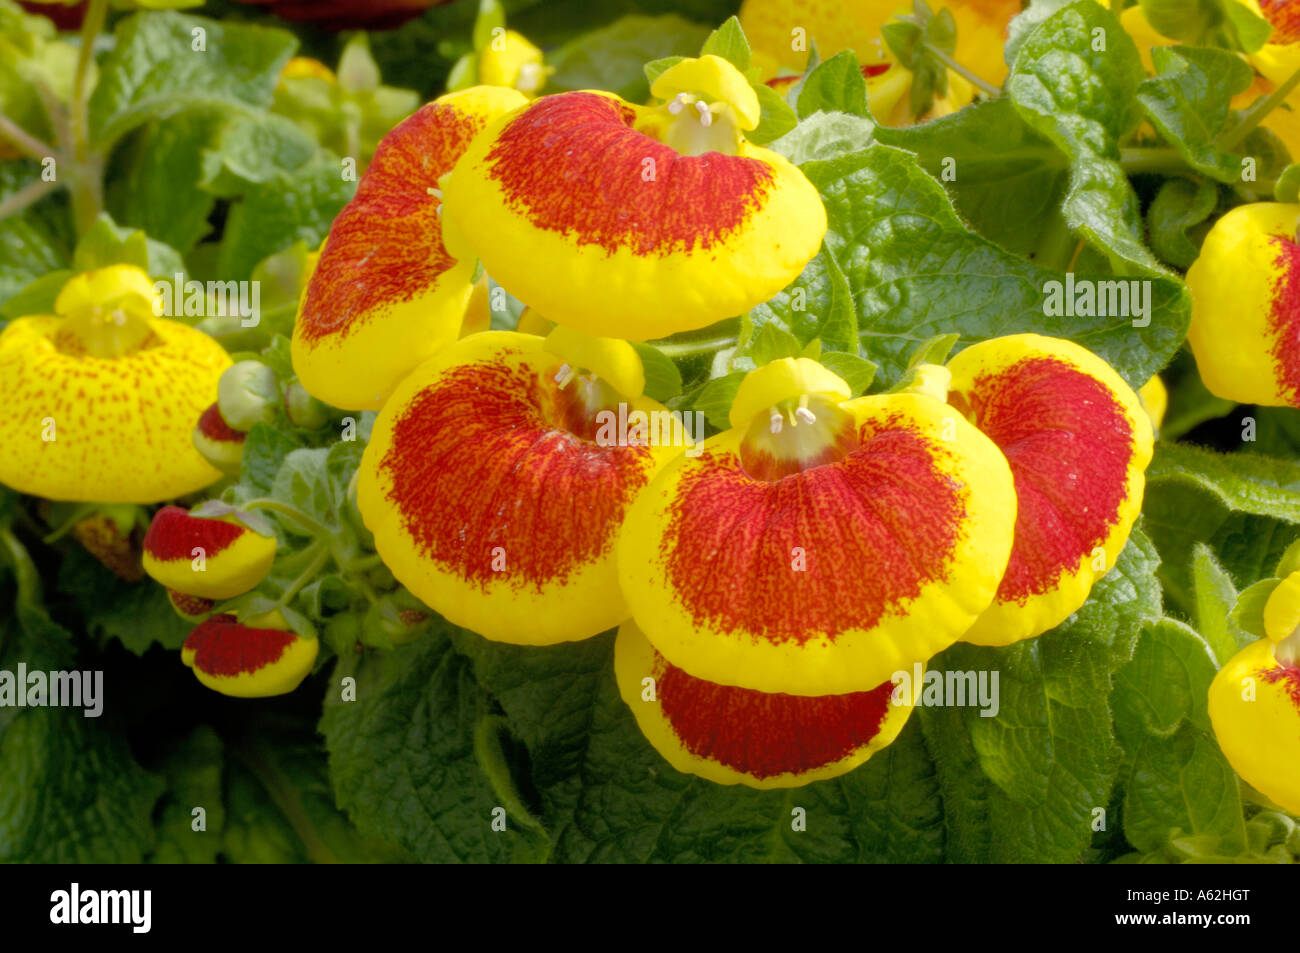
[
  {"x": 248, "y": 393},
  {"x": 304, "y": 410}
]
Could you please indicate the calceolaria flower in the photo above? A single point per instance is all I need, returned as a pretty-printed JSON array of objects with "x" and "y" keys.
[
  {"x": 822, "y": 543},
  {"x": 1245, "y": 330},
  {"x": 632, "y": 221},
  {"x": 256, "y": 658},
  {"x": 1078, "y": 442},
  {"x": 1255, "y": 702},
  {"x": 386, "y": 293},
  {"x": 739, "y": 736},
  {"x": 214, "y": 552},
  {"x": 98, "y": 400},
  {"x": 1280, "y": 57},
  {"x": 497, "y": 475},
  {"x": 221, "y": 444}
]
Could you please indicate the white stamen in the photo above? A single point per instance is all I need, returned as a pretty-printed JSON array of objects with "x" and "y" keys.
[
  {"x": 775, "y": 420},
  {"x": 564, "y": 375},
  {"x": 676, "y": 105},
  {"x": 706, "y": 117},
  {"x": 530, "y": 77},
  {"x": 436, "y": 193},
  {"x": 806, "y": 415}
]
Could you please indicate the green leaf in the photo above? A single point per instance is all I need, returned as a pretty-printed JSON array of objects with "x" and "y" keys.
[
  {"x": 818, "y": 305},
  {"x": 1188, "y": 101},
  {"x": 662, "y": 379},
  {"x": 771, "y": 343},
  {"x": 402, "y": 759},
  {"x": 109, "y": 244},
  {"x": 265, "y": 450},
  {"x": 778, "y": 119},
  {"x": 857, "y": 372},
  {"x": 1188, "y": 21},
  {"x": 834, "y": 86},
  {"x": 1178, "y": 219},
  {"x": 1005, "y": 179},
  {"x": 491, "y": 17},
  {"x": 137, "y": 614},
  {"x": 916, "y": 272},
  {"x": 1025, "y": 23},
  {"x": 193, "y": 769},
  {"x": 656, "y": 68},
  {"x": 728, "y": 41},
  {"x": 1243, "y": 29},
  {"x": 29, "y": 246},
  {"x": 1175, "y": 779},
  {"x": 825, "y": 136},
  {"x": 618, "y": 57},
  {"x": 156, "y": 190},
  {"x": 154, "y": 69},
  {"x": 1288, "y": 185},
  {"x": 1216, "y": 597},
  {"x": 1247, "y": 615},
  {"x": 1246, "y": 508},
  {"x": 1023, "y": 786},
  {"x": 1075, "y": 81},
  {"x": 715, "y": 398},
  {"x": 252, "y": 148},
  {"x": 288, "y": 207}
]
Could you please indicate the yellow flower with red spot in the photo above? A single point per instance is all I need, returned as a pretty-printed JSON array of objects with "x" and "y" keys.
[
  {"x": 494, "y": 482},
  {"x": 386, "y": 293},
  {"x": 739, "y": 736},
  {"x": 97, "y": 401},
  {"x": 822, "y": 543},
  {"x": 257, "y": 658},
  {"x": 1078, "y": 443},
  {"x": 1255, "y": 702},
  {"x": 219, "y": 443},
  {"x": 1245, "y": 330},
  {"x": 1280, "y": 57},
  {"x": 217, "y": 556},
  {"x": 634, "y": 221}
]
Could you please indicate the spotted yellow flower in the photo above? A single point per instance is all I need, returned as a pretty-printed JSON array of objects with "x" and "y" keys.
[
  {"x": 257, "y": 658},
  {"x": 97, "y": 401},
  {"x": 1078, "y": 443},
  {"x": 633, "y": 221},
  {"x": 739, "y": 736},
  {"x": 1255, "y": 710},
  {"x": 822, "y": 543},
  {"x": 386, "y": 293},
  {"x": 494, "y": 481},
  {"x": 1245, "y": 330},
  {"x": 216, "y": 556}
]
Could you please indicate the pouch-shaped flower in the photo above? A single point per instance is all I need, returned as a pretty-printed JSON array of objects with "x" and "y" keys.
[
  {"x": 496, "y": 478},
  {"x": 739, "y": 736},
  {"x": 212, "y": 557},
  {"x": 637, "y": 222},
  {"x": 1078, "y": 442},
  {"x": 256, "y": 659},
  {"x": 821, "y": 543},
  {"x": 385, "y": 293}
]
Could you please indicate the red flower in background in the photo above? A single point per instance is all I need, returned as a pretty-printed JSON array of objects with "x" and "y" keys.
[{"x": 349, "y": 14}]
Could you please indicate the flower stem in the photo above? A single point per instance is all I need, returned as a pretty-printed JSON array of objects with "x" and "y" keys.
[
  {"x": 87, "y": 187},
  {"x": 982, "y": 85},
  {"x": 317, "y": 529},
  {"x": 322, "y": 554},
  {"x": 1258, "y": 113},
  {"x": 691, "y": 348},
  {"x": 24, "y": 140},
  {"x": 29, "y": 194}
]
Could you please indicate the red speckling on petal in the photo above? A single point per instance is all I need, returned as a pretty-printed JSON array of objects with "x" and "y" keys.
[
  {"x": 1289, "y": 675},
  {"x": 222, "y": 646},
  {"x": 1069, "y": 444},
  {"x": 1285, "y": 17},
  {"x": 874, "y": 528},
  {"x": 213, "y": 426},
  {"x": 1285, "y": 320},
  {"x": 573, "y": 164},
  {"x": 386, "y": 245},
  {"x": 173, "y": 534},
  {"x": 190, "y": 605},
  {"x": 477, "y": 463},
  {"x": 763, "y": 735}
]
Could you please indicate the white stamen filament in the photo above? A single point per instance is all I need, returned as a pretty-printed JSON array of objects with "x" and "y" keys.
[
  {"x": 775, "y": 420},
  {"x": 676, "y": 105},
  {"x": 564, "y": 375},
  {"x": 706, "y": 117},
  {"x": 803, "y": 413}
]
